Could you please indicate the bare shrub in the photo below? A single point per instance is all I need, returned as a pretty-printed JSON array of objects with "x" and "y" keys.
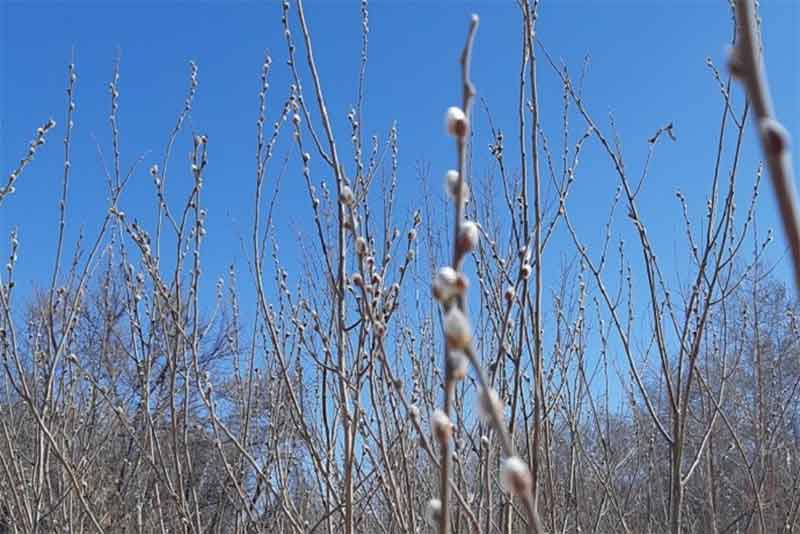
[{"x": 364, "y": 394}]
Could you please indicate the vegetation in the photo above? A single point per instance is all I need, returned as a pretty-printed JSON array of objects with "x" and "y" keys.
[{"x": 367, "y": 395}]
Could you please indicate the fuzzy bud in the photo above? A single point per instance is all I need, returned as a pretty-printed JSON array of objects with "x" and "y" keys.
[
  {"x": 361, "y": 246},
  {"x": 433, "y": 512},
  {"x": 451, "y": 182},
  {"x": 441, "y": 426},
  {"x": 457, "y": 365},
  {"x": 489, "y": 405},
  {"x": 468, "y": 236},
  {"x": 346, "y": 196},
  {"x": 358, "y": 280},
  {"x": 445, "y": 284},
  {"x": 515, "y": 478},
  {"x": 457, "y": 330},
  {"x": 456, "y": 121},
  {"x": 451, "y": 185},
  {"x": 509, "y": 294}
]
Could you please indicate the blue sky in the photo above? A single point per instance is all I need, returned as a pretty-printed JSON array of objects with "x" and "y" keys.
[{"x": 647, "y": 67}]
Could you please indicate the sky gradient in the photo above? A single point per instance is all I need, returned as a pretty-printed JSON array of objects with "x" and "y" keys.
[{"x": 647, "y": 66}]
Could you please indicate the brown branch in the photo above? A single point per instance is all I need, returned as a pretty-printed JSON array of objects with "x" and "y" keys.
[{"x": 747, "y": 63}]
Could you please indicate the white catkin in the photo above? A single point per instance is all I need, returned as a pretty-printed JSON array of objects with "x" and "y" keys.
[
  {"x": 433, "y": 510},
  {"x": 468, "y": 236},
  {"x": 446, "y": 284},
  {"x": 441, "y": 426},
  {"x": 489, "y": 403},
  {"x": 515, "y": 478},
  {"x": 451, "y": 182},
  {"x": 457, "y": 330},
  {"x": 456, "y": 122}
]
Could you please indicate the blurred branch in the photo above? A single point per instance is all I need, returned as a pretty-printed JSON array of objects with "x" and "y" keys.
[{"x": 747, "y": 63}]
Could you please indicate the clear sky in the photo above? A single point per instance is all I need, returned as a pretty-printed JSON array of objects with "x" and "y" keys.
[{"x": 648, "y": 67}]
